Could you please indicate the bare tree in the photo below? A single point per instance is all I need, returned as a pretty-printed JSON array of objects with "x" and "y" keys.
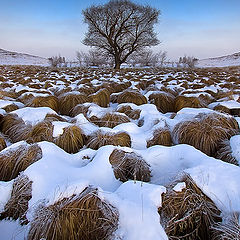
[
  {"x": 55, "y": 61},
  {"x": 120, "y": 28},
  {"x": 80, "y": 58},
  {"x": 148, "y": 58},
  {"x": 162, "y": 58},
  {"x": 188, "y": 62}
]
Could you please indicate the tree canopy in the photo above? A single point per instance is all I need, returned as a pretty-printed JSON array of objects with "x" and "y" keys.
[{"x": 120, "y": 28}]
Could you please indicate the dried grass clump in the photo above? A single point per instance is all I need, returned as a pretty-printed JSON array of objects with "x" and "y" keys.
[
  {"x": 130, "y": 96},
  {"x": 42, "y": 131},
  {"x": 101, "y": 98},
  {"x": 225, "y": 153},
  {"x": 69, "y": 101},
  {"x": 129, "y": 166},
  {"x": 80, "y": 108},
  {"x": 72, "y": 139},
  {"x": 49, "y": 101},
  {"x": 111, "y": 120},
  {"x": 206, "y": 132},
  {"x": 229, "y": 230},
  {"x": 161, "y": 136},
  {"x": 222, "y": 109},
  {"x": 25, "y": 97},
  {"x": 133, "y": 114},
  {"x": 14, "y": 161},
  {"x": 54, "y": 117},
  {"x": 188, "y": 214},
  {"x": 84, "y": 217},
  {"x": 191, "y": 102},
  {"x": 17, "y": 205},
  {"x": 2, "y": 142},
  {"x": 100, "y": 138},
  {"x": 15, "y": 128},
  {"x": 11, "y": 107},
  {"x": 165, "y": 102}
]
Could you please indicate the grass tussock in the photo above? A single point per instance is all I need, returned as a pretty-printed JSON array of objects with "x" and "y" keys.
[
  {"x": 68, "y": 101},
  {"x": 80, "y": 108},
  {"x": 188, "y": 214},
  {"x": 15, "y": 128},
  {"x": 225, "y": 153},
  {"x": 51, "y": 117},
  {"x": 72, "y": 139},
  {"x": 161, "y": 136},
  {"x": 84, "y": 217},
  {"x": 100, "y": 138},
  {"x": 129, "y": 166},
  {"x": 130, "y": 96},
  {"x": 42, "y": 131},
  {"x": 191, "y": 102},
  {"x": 206, "y": 132},
  {"x": 133, "y": 114},
  {"x": 2, "y": 142},
  {"x": 111, "y": 120},
  {"x": 165, "y": 102},
  {"x": 17, "y": 205},
  {"x": 49, "y": 101},
  {"x": 101, "y": 98},
  {"x": 11, "y": 107},
  {"x": 16, "y": 160},
  {"x": 228, "y": 230}
]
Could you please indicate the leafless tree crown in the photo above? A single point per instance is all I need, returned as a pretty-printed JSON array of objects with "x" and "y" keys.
[{"x": 120, "y": 28}]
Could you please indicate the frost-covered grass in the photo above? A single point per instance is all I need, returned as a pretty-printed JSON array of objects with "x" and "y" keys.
[{"x": 118, "y": 134}]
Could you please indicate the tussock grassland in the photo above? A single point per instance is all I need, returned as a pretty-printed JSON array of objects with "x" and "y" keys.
[{"x": 96, "y": 93}]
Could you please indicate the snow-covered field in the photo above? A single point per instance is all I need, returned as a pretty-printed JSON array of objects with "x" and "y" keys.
[
  {"x": 225, "y": 61},
  {"x": 133, "y": 136},
  {"x": 14, "y": 58}
]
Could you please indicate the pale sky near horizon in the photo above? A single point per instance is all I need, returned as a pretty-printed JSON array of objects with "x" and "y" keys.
[{"x": 199, "y": 28}]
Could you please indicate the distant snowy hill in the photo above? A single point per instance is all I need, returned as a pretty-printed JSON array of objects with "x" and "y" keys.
[
  {"x": 225, "y": 61},
  {"x": 14, "y": 58}
]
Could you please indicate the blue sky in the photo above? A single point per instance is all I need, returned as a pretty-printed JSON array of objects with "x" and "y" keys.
[{"x": 199, "y": 28}]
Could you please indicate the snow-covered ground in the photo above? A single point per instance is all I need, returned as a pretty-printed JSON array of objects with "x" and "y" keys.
[
  {"x": 225, "y": 61},
  {"x": 14, "y": 58},
  {"x": 58, "y": 174}
]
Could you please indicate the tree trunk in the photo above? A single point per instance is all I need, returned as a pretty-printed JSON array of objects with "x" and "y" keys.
[{"x": 117, "y": 65}]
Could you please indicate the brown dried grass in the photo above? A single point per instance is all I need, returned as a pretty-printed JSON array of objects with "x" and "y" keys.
[
  {"x": 100, "y": 138},
  {"x": 229, "y": 230},
  {"x": 161, "y": 136},
  {"x": 225, "y": 153},
  {"x": 72, "y": 139},
  {"x": 133, "y": 114},
  {"x": 191, "y": 102},
  {"x": 206, "y": 132},
  {"x": 69, "y": 101},
  {"x": 42, "y": 131},
  {"x": 188, "y": 214},
  {"x": 129, "y": 166},
  {"x": 49, "y": 101},
  {"x": 101, "y": 98},
  {"x": 2, "y": 142},
  {"x": 222, "y": 109},
  {"x": 80, "y": 108},
  {"x": 84, "y": 217},
  {"x": 15, "y": 128},
  {"x": 130, "y": 96},
  {"x": 54, "y": 117},
  {"x": 111, "y": 120},
  {"x": 13, "y": 161},
  {"x": 11, "y": 107},
  {"x": 165, "y": 102},
  {"x": 17, "y": 205}
]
